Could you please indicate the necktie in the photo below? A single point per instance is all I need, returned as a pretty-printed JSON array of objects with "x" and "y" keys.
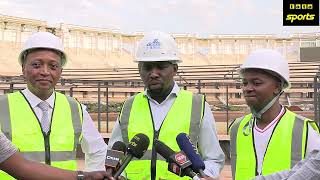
[{"x": 45, "y": 122}]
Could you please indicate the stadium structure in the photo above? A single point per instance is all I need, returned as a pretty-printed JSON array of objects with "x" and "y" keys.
[{"x": 101, "y": 68}]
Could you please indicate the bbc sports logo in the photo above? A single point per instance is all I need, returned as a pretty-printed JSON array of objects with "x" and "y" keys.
[{"x": 301, "y": 12}]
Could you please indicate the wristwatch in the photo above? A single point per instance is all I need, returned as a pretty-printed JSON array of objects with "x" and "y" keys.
[{"x": 80, "y": 175}]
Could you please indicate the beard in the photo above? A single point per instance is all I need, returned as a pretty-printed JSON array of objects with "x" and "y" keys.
[{"x": 155, "y": 92}]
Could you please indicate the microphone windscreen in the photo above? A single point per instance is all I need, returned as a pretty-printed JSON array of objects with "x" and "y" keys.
[
  {"x": 163, "y": 149},
  {"x": 187, "y": 147},
  {"x": 115, "y": 155},
  {"x": 119, "y": 146},
  {"x": 138, "y": 145}
]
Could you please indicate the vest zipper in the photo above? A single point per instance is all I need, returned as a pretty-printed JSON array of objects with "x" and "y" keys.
[
  {"x": 254, "y": 149},
  {"x": 46, "y": 138},
  {"x": 154, "y": 157},
  {"x": 154, "y": 152}
]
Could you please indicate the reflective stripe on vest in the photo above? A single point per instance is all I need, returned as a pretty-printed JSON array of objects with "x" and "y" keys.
[
  {"x": 186, "y": 112},
  {"x": 25, "y": 129},
  {"x": 243, "y": 161},
  {"x": 55, "y": 155}
]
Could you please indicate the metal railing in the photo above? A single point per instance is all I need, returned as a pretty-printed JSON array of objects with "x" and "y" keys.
[{"x": 316, "y": 85}]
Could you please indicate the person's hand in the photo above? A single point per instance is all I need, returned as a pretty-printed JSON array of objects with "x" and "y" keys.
[
  {"x": 209, "y": 178},
  {"x": 121, "y": 178},
  {"x": 97, "y": 175}
]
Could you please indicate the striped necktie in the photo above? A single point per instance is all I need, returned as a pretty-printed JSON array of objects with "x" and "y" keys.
[{"x": 45, "y": 122}]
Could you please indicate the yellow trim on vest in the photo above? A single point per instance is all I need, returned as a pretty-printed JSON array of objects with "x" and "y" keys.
[{"x": 314, "y": 125}]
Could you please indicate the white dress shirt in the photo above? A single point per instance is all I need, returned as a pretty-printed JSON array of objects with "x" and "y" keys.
[
  {"x": 209, "y": 146},
  {"x": 92, "y": 143}
]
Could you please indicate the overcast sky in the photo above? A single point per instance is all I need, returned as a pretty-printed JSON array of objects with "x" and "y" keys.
[{"x": 197, "y": 17}]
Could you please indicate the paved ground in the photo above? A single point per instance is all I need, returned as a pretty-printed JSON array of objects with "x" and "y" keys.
[{"x": 226, "y": 172}]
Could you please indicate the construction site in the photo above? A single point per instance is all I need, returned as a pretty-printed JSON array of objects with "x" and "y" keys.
[{"x": 101, "y": 73}]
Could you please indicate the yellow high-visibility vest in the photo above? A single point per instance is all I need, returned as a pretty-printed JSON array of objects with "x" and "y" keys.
[
  {"x": 20, "y": 124},
  {"x": 185, "y": 116},
  {"x": 286, "y": 146}
]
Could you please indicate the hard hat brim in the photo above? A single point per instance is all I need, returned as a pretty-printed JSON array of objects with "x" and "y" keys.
[
  {"x": 287, "y": 84},
  {"x": 170, "y": 59},
  {"x": 63, "y": 57}
]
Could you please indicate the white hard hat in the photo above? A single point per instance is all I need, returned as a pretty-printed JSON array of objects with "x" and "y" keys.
[
  {"x": 269, "y": 60},
  {"x": 43, "y": 40},
  {"x": 157, "y": 46}
]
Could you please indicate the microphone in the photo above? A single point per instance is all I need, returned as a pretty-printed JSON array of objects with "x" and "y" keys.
[
  {"x": 136, "y": 148},
  {"x": 188, "y": 147},
  {"x": 178, "y": 163},
  {"x": 114, "y": 157}
]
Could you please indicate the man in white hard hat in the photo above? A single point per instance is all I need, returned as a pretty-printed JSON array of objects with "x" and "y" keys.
[
  {"x": 271, "y": 138},
  {"x": 45, "y": 125},
  {"x": 163, "y": 111},
  {"x": 12, "y": 162}
]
